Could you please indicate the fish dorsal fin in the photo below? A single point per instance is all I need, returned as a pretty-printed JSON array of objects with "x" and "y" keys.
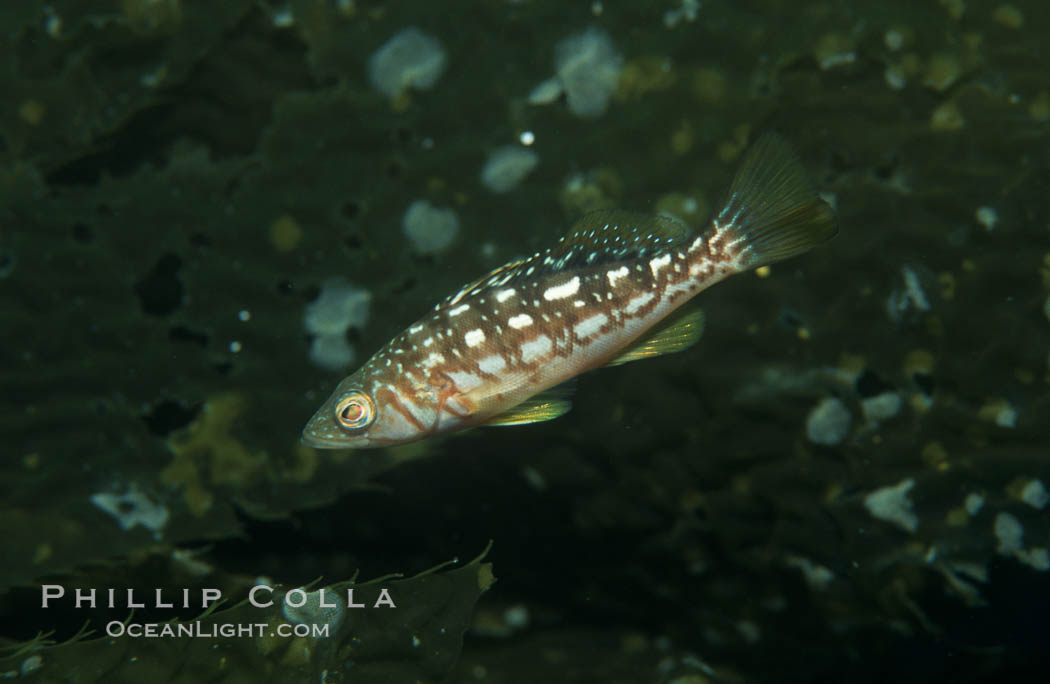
[
  {"x": 616, "y": 228},
  {"x": 546, "y": 405},
  {"x": 493, "y": 276},
  {"x": 677, "y": 333},
  {"x": 609, "y": 236}
]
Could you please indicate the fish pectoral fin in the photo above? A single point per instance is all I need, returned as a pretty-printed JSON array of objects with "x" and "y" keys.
[
  {"x": 533, "y": 410},
  {"x": 677, "y": 333},
  {"x": 547, "y": 405}
]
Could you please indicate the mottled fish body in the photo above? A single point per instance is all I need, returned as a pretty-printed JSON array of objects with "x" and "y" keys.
[{"x": 609, "y": 292}]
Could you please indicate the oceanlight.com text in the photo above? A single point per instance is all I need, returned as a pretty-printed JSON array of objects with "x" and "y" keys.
[{"x": 196, "y": 628}]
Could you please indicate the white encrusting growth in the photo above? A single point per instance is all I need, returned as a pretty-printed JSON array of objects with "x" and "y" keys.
[
  {"x": 616, "y": 275},
  {"x": 973, "y": 503},
  {"x": 913, "y": 290},
  {"x": 590, "y": 326},
  {"x": 520, "y": 321},
  {"x": 332, "y": 352},
  {"x": 828, "y": 422},
  {"x": 340, "y": 306},
  {"x": 492, "y": 364},
  {"x": 410, "y": 59},
  {"x": 588, "y": 69},
  {"x": 504, "y": 295},
  {"x": 1010, "y": 533},
  {"x": 133, "y": 508},
  {"x": 566, "y": 289},
  {"x": 536, "y": 348},
  {"x": 458, "y": 310},
  {"x": 892, "y": 505},
  {"x": 1034, "y": 494},
  {"x": 474, "y": 337},
  {"x": 507, "y": 167},
  {"x": 430, "y": 229}
]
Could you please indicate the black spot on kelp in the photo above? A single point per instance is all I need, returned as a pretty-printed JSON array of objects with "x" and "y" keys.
[
  {"x": 353, "y": 242},
  {"x": 142, "y": 141},
  {"x": 404, "y": 286},
  {"x": 924, "y": 381},
  {"x": 167, "y": 415},
  {"x": 790, "y": 318},
  {"x": 350, "y": 210},
  {"x": 402, "y": 135},
  {"x": 885, "y": 171},
  {"x": 868, "y": 384},
  {"x": 160, "y": 291},
  {"x": 181, "y": 333},
  {"x": 83, "y": 233}
]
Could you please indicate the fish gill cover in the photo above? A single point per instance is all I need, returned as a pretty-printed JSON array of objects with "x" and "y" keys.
[{"x": 844, "y": 479}]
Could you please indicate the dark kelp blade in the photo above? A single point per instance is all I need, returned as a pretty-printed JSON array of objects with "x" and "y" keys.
[{"x": 772, "y": 205}]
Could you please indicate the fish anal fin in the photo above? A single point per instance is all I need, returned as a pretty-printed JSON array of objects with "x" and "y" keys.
[
  {"x": 677, "y": 333},
  {"x": 547, "y": 405}
]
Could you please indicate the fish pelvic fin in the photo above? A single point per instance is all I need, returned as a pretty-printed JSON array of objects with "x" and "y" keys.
[{"x": 772, "y": 206}]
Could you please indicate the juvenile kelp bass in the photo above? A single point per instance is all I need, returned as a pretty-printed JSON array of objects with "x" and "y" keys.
[{"x": 499, "y": 351}]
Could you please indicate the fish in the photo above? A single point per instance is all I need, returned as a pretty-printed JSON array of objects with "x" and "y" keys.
[{"x": 506, "y": 347}]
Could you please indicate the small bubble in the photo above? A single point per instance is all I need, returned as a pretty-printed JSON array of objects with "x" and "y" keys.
[
  {"x": 235, "y": 346},
  {"x": 987, "y": 217},
  {"x": 283, "y": 17},
  {"x": 244, "y": 315}
]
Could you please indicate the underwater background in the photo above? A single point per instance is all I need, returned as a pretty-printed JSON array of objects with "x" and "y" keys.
[{"x": 211, "y": 212}]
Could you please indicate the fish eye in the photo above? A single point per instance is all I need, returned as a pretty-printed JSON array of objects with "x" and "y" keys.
[{"x": 355, "y": 411}]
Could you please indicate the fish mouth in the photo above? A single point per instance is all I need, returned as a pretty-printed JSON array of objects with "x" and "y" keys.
[{"x": 318, "y": 443}]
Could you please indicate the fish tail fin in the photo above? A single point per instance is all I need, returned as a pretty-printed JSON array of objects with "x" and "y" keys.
[{"x": 772, "y": 207}]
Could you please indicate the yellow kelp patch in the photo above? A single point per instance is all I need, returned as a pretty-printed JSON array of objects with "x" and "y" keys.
[{"x": 207, "y": 446}]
